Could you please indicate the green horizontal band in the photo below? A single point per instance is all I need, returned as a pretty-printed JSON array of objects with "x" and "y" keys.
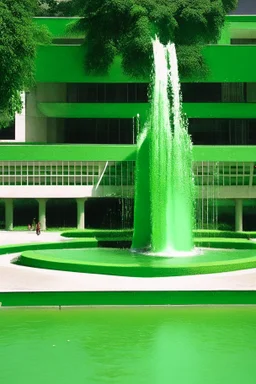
[
  {"x": 226, "y": 63},
  {"x": 79, "y": 152},
  {"x": 129, "y": 110}
]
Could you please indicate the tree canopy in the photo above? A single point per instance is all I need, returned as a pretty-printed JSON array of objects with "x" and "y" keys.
[
  {"x": 47, "y": 8},
  {"x": 19, "y": 36},
  {"x": 126, "y": 28}
]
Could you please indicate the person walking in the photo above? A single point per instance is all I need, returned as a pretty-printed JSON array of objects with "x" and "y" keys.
[
  {"x": 34, "y": 224},
  {"x": 38, "y": 229}
]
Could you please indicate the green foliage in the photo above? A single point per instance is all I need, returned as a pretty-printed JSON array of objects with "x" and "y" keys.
[
  {"x": 47, "y": 8},
  {"x": 202, "y": 233},
  {"x": 126, "y": 28},
  {"x": 100, "y": 233},
  {"x": 126, "y": 234},
  {"x": 18, "y": 39}
]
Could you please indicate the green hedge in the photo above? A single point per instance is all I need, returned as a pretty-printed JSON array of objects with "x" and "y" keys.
[
  {"x": 124, "y": 234},
  {"x": 210, "y": 242},
  {"x": 85, "y": 243},
  {"x": 224, "y": 234},
  {"x": 48, "y": 229},
  {"x": 118, "y": 236},
  {"x": 114, "y": 234}
]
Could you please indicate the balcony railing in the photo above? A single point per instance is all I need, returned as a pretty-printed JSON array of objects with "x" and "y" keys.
[
  {"x": 224, "y": 174},
  {"x": 89, "y": 173},
  {"x": 66, "y": 173}
]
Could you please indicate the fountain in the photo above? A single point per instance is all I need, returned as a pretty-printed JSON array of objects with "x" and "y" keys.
[
  {"x": 164, "y": 203},
  {"x": 164, "y": 196}
]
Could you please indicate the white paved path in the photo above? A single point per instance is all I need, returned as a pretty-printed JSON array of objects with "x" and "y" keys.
[
  {"x": 18, "y": 278},
  {"x": 21, "y": 237}
]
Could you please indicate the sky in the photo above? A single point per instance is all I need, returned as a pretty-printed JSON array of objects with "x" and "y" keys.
[{"x": 245, "y": 7}]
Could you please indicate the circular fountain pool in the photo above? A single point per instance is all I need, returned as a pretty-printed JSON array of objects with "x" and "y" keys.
[{"x": 123, "y": 262}]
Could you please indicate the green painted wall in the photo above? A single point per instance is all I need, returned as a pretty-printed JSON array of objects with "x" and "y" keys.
[
  {"x": 55, "y": 152},
  {"x": 226, "y": 63},
  {"x": 69, "y": 152},
  {"x": 230, "y": 63},
  {"x": 220, "y": 110},
  {"x": 24, "y": 299},
  {"x": 234, "y": 24},
  {"x": 241, "y": 18},
  {"x": 65, "y": 64},
  {"x": 126, "y": 110},
  {"x": 224, "y": 153},
  {"x": 238, "y": 25},
  {"x": 94, "y": 110}
]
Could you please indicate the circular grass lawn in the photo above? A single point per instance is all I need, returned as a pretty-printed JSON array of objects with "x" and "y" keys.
[{"x": 123, "y": 262}]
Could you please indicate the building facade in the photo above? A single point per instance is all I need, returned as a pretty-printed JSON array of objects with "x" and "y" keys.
[{"x": 75, "y": 140}]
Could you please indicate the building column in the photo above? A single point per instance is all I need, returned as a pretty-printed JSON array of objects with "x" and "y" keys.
[
  {"x": 42, "y": 213},
  {"x": 239, "y": 215},
  {"x": 9, "y": 214},
  {"x": 20, "y": 121},
  {"x": 80, "y": 213}
]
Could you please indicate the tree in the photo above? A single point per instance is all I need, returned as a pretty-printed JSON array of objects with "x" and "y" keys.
[
  {"x": 19, "y": 37},
  {"x": 55, "y": 8},
  {"x": 126, "y": 28}
]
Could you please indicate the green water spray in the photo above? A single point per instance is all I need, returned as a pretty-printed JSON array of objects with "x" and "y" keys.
[{"x": 164, "y": 187}]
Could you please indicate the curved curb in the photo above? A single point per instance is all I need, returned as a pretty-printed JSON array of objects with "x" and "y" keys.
[
  {"x": 138, "y": 267},
  {"x": 15, "y": 248}
]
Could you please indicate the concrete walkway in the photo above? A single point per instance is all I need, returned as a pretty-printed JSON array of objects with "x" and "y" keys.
[
  {"x": 19, "y": 278},
  {"x": 22, "y": 237}
]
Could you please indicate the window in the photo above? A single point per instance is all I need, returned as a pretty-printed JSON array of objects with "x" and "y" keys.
[
  {"x": 223, "y": 131},
  {"x": 251, "y": 92},
  {"x": 234, "y": 92},
  {"x": 243, "y": 41},
  {"x": 201, "y": 92},
  {"x": 99, "y": 131},
  {"x": 8, "y": 133},
  {"x": 107, "y": 93}
]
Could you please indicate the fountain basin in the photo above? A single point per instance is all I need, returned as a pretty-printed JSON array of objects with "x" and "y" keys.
[{"x": 122, "y": 262}]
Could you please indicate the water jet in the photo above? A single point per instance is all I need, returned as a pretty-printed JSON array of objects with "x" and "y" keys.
[{"x": 162, "y": 242}]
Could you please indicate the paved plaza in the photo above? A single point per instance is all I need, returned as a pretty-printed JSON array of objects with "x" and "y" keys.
[{"x": 20, "y": 278}]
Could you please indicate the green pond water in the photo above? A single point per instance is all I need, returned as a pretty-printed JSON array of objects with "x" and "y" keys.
[
  {"x": 183, "y": 345},
  {"x": 124, "y": 257}
]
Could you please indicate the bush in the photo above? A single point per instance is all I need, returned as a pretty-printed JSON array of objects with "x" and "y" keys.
[
  {"x": 223, "y": 234},
  {"x": 126, "y": 234},
  {"x": 100, "y": 233}
]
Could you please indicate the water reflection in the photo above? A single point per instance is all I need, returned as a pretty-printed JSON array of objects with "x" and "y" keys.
[{"x": 128, "y": 345}]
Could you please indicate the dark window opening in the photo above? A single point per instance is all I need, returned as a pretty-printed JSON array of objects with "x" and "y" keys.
[
  {"x": 201, "y": 92},
  {"x": 234, "y": 92},
  {"x": 223, "y": 131},
  {"x": 132, "y": 92},
  {"x": 108, "y": 213},
  {"x": 218, "y": 92},
  {"x": 138, "y": 93},
  {"x": 107, "y": 93},
  {"x": 8, "y": 133},
  {"x": 242, "y": 41},
  {"x": 99, "y": 131}
]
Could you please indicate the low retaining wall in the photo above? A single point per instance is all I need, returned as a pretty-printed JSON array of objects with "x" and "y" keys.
[{"x": 159, "y": 298}]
